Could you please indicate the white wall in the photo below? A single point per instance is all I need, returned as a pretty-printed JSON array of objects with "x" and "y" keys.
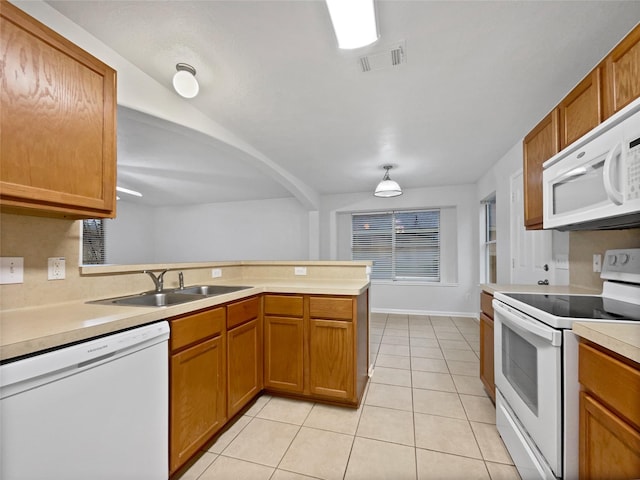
[
  {"x": 459, "y": 298},
  {"x": 129, "y": 237},
  {"x": 498, "y": 179},
  {"x": 253, "y": 230}
]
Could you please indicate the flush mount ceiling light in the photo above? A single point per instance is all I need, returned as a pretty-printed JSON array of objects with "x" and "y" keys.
[
  {"x": 387, "y": 187},
  {"x": 130, "y": 192},
  {"x": 184, "y": 81},
  {"x": 354, "y": 22}
]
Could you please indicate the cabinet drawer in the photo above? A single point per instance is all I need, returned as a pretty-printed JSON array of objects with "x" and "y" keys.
[
  {"x": 615, "y": 382},
  {"x": 289, "y": 305},
  {"x": 486, "y": 305},
  {"x": 331, "y": 307},
  {"x": 196, "y": 327},
  {"x": 241, "y": 312}
]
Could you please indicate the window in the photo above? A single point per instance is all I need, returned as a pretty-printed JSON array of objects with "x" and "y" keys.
[
  {"x": 403, "y": 245},
  {"x": 93, "y": 244},
  {"x": 490, "y": 240}
]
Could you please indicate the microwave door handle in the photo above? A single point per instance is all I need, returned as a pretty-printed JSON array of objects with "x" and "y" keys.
[
  {"x": 610, "y": 162},
  {"x": 523, "y": 324}
]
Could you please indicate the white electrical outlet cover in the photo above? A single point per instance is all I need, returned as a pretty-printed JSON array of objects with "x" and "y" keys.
[
  {"x": 56, "y": 268},
  {"x": 216, "y": 273},
  {"x": 300, "y": 270}
]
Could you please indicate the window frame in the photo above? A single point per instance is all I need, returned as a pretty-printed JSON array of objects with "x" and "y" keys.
[{"x": 423, "y": 244}]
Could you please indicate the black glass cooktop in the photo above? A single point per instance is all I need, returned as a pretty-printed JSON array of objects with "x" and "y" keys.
[{"x": 580, "y": 306}]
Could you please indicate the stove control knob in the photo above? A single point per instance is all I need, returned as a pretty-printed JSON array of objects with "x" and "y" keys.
[
  {"x": 624, "y": 258},
  {"x": 612, "y": 259}
]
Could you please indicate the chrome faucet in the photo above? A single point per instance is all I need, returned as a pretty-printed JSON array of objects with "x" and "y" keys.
[
  {"x": 157, "y": 281},
  {"x": 181, "y": 280}
]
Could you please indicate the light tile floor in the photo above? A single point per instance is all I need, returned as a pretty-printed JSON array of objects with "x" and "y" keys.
[{"x": 425, "y": 415}]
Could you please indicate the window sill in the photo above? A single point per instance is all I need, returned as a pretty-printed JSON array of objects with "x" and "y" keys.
[{"x": 414, "y": 282}]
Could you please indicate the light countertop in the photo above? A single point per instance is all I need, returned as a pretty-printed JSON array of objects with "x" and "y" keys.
[
  {"x": 28, "y": 330},
  {"x": 622, "y": 338},
  {"x": 558, "y": 289}
]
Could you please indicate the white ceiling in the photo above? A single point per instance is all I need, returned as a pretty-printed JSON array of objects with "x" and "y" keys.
[{"x": 479, "y": 75}]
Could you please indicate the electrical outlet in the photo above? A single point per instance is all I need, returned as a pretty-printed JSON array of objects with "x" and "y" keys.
[
  {"x": 562, "y": 261},
  {"x": 11, "y": 270},
  {"x": 300, "y": 270},
  {"x": 597, "y": 262},
  {"x": 56, "y": 270},
  {"x": 216, "y": 273}
]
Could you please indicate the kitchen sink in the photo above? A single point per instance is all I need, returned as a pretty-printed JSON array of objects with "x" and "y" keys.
[
  {"x": 152, "y": 299},
  {"x": 208, "y": 290}
]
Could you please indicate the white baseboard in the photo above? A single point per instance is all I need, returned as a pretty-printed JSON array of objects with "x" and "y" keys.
[{"x": 425, "y": 312}]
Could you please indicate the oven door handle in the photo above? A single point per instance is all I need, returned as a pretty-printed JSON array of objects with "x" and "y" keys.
[{"x": 525, "y": 324}]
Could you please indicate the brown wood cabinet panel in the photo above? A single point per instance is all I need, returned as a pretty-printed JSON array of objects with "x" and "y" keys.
[
  {"x": 197, "y": 399},
  {"x": 609, "y": 447},
  {"x": 614, "y": 382},
  {"x": 288, "y": 305},
  {"x": 284, "y": 354},
  {"x": 581, "y": 110},
  {"x": 622, "y": 73},
  {"x": 337, "y": 308},
  {"x": 331, "y": 358},
  {"x": 243, "y": 311},
  {"x": 539, "y": 145},
  {"x": 486, "y": 304},
  {"x": 244, "y": 365},
  {"x": 196, "y": 327},
  {"x": 58, "y": 123},
  {"x": 487, "y": 372}
]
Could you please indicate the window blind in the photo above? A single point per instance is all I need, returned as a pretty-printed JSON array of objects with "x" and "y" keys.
[
  {"x": 403, "y": 245},
  {"x": 93, "y": 242}
]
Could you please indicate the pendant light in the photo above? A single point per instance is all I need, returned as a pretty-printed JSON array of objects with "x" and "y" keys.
[
  {"x": 184, "y": 81},
  {"x": 387, "y": 187}
]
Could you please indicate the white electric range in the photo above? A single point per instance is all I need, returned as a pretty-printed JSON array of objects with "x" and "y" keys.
[{"x": 536, "y": 365}]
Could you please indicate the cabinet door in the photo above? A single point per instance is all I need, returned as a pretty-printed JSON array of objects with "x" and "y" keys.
[
  {"x": 197, "y": 398},
  {"x": 539, "y": 145},
  {"x": 331, "y": 359},
  {"x": 487, "y": 373},
  {"x": 244, "y": 365},
  {"x": 581, "y": 110},
  {"x": 57, "y": 118},
  {"x": 609, "y": 447},
  {"x": 284, "y": 354},
  {"x": 622, "y": 73}
]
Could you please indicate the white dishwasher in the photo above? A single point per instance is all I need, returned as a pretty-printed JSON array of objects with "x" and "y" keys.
[{"x": 94, "y": 410}]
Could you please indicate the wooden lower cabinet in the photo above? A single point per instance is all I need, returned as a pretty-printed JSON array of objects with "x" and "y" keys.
[
  {"x": 284, "y": 354},
  {"x": 610, "y": 447},
  {"x": 609, "y": 414},
  {"x": 244, "y": 365},
  {"x": 487, "y": 367},
  {"x": 487, "y": 373},
  {"x": 197, "y": 400},
  {"x": 331, "y": 359}
]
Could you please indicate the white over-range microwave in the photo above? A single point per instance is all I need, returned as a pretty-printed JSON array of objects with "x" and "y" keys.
[{"x": 594, "y": 183}]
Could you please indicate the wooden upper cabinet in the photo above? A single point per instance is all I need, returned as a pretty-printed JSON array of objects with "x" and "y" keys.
[
  {"x": 622, "y": 73},
  {"x": 581, "y": 110},
  {"x": 539, "y": 145},
  {"x": 57, "y": 123}
]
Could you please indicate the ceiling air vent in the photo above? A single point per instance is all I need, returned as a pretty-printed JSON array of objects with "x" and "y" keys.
[{"x": 381, "y": 59}]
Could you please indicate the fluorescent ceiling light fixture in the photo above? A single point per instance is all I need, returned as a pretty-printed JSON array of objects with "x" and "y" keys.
[
  {"x": 387, "y": 187},
  {"x": 130, "y": 192},
  {"x": 184, "y": 81},
  {"x": 354, "y": 22}
]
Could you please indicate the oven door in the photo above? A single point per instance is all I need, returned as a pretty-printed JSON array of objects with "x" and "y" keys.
[{"x": 528, "y": 374}]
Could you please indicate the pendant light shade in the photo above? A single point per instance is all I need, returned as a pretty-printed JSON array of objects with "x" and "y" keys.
[
  {"x": 184, "y": 81},
  {"x": 387, "y": 187}
]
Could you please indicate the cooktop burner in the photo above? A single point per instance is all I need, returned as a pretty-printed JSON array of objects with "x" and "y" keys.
[{"x": 580, "y": 306}]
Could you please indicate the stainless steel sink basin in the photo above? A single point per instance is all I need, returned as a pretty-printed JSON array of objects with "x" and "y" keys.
[
  {"x": 152, "y": 299},
  {"x": 208, "y": 290}
]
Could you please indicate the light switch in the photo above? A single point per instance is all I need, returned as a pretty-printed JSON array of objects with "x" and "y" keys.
[
  {"x": 216, "y": 273},
  {"x": 11, "y": 270}
]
